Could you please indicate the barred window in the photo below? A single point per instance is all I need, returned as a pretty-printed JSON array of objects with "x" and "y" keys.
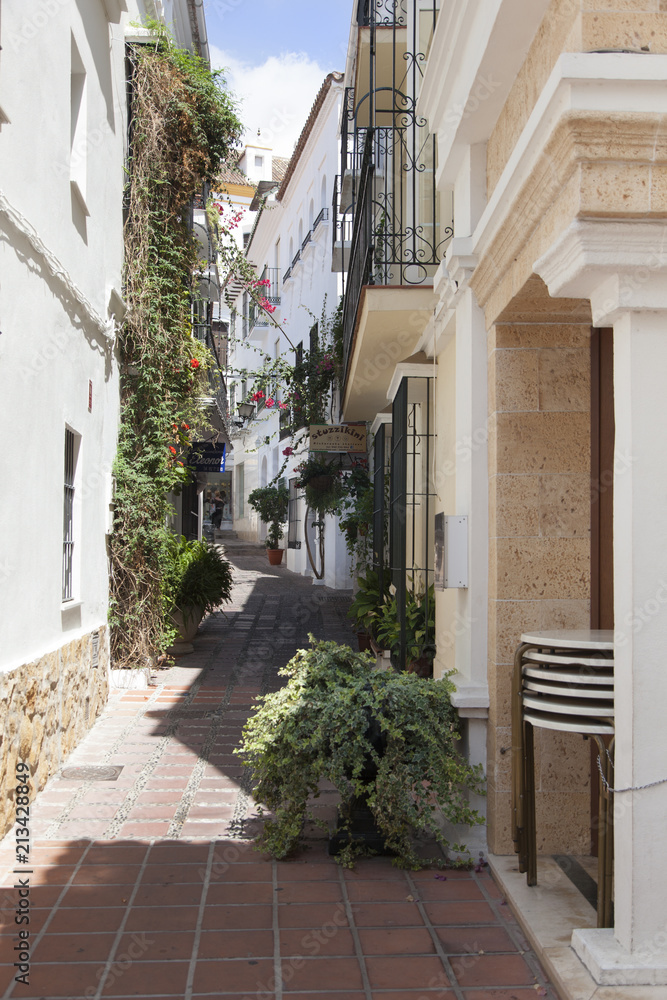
[{"x": 68, "y": 514}]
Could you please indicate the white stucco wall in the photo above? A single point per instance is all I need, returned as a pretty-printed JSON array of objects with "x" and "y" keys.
[
  {"x": 302, "y": 300},
  {"x": 61, "y": 254}
]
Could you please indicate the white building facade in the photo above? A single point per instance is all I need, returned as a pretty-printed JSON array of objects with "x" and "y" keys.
[
  {"x": 63, "y": 146},
  {"x": 291, "y": 248}
]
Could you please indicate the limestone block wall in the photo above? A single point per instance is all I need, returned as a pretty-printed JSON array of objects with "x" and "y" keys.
[
  {"x": 48, "y": 706},
  {"x": 539, "y": 558},
  {"x": 572, "y": 26}
]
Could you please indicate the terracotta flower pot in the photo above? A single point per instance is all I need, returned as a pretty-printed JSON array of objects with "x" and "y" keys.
[
  {"x": 364, "y": 641},
  {"x": 275, "y": 556}
]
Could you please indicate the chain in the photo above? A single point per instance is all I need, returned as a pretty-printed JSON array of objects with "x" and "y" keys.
[{"x": 633, "y": 788}]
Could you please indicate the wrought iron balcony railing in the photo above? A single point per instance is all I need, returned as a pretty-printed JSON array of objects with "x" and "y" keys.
[
  {"x": 397, "y": 236},
  {"x": 285, "y": 424},
  {"x": 258, "y": 317},
  {"x": 287, "y": 275},
  {"x": 306, "y": 240},
  {"x": 272, "y": 290},
  {"x": 360, "y": 271},
  {"x": 384, "y": 13},
  {"x": 322, "y": 217}
]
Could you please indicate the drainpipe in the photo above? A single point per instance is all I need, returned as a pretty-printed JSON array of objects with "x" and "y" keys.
[{"x": 198, "y": 28}]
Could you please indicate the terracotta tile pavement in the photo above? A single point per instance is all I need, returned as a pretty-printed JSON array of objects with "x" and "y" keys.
[{"x": 149, "y": 886}]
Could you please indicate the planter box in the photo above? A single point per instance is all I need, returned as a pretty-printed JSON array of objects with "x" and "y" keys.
[{"x": 130, "y": 680}]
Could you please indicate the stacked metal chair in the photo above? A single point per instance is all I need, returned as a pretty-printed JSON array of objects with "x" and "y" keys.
[{"x": 563, "y": 680}]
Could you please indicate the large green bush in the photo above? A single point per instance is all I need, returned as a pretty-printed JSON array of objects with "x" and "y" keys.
[{"x": 318, "y": 727}]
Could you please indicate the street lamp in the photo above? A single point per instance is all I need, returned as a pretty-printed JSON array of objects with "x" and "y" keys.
[{"x": 245, "y": 411}]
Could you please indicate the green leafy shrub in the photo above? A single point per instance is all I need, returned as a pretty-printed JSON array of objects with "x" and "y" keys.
[
  {"x": 419, "y": 625},
  {"x": 318, "y": 727},
  {"x": 183, "y": 124},
  {"x": 366, "y": 608},
  {"x": 196, "y": 576},
  {"x": 272, "y": 505}
]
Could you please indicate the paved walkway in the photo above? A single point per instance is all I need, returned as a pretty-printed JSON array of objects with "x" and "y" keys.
[{"x": 148, "y": 885}]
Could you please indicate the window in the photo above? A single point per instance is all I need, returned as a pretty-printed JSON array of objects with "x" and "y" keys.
[
  {"x": 311, "y": 214},
  {"x": 240, "y": 491},
  {"x": 71, "y": 454},
  {"x": 381, "y": 460},
  {"x": 292, "y": 518},
  {"x": 78, "y": 128},
  {"x": 259, "y": 162},
  {"x": 323, "y": 198},
  {"x": 232, "y": 398},
  {"x": 412, "y": 501}
]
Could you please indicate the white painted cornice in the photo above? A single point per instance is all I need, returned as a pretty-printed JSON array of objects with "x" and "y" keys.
[
  {"x": 408, "y": 369},
  {"x": 580, "y": 81},
  {"x": 619, "y": 265},
  {"x": 381, "y": 418}
]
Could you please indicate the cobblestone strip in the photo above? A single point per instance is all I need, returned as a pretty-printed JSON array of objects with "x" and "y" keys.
[
  {"x": 53, "y": 828},
  {"x": 114, "y": 827},
  {"x": 183, "y": 808}
]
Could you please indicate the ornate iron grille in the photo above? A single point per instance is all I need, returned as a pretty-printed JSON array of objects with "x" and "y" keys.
[
  {"x": 68, "y": 515},
  {"x": 381, "y": 461},
  {"x": 394, "y": 200},
  {"x": 292, "y": 519},
  {"x": 412, "y": 499}
]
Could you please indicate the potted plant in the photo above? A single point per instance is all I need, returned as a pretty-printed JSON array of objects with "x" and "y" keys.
[
  {"x": 419, "y": 630},
  {"x": 198, "y": 580},
  {"x": 322, "y": 485},
  {"x": 272, "y": 505},
  {"x": 366, "y": 608},
  {"x": 388, "y": 739}
]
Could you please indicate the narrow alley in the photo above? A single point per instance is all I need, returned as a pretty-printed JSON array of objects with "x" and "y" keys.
[{"x": 145, "y": 883}]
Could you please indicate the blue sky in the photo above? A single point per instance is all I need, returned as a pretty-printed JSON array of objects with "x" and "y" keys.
[{"x": 277, "y": 53}]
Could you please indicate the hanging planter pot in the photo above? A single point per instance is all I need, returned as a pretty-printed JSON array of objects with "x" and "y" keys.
[{"x": 320, "y": 484}]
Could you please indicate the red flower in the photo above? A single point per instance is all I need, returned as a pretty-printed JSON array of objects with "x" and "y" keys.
[
  {"x": 257, "y": 396},
  {"x": 172, "y": 449},
  {"x": 288, "y": 451},
  {"x": 194, "y": 363},
  {"x": 270, "y": 402},
  {"x": 184, "y": 426}
]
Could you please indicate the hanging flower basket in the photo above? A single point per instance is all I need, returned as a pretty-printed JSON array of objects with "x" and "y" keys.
[{"x": 321, "y": 484}]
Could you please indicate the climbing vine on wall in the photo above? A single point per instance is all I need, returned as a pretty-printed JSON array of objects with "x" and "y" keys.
[{"x": 183, "y": 125}]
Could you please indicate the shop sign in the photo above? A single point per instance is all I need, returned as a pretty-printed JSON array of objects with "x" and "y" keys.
[
  {"x": 338, "y": 437},
  {"x": 206, "y": 457}
]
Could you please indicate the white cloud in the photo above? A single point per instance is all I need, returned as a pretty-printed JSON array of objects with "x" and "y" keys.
[{"x": 276, "y": 96}]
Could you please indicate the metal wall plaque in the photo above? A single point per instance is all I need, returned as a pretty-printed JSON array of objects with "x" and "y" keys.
[{"x": 92, "y": 772}]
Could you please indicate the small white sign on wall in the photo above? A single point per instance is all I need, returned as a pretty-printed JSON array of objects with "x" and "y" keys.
[{"x": 451, "y": 551}]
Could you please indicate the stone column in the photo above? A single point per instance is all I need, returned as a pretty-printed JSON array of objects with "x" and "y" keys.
[{"x": 622, "y": 268}]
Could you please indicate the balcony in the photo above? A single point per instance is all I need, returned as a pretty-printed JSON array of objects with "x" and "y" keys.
[
  {"x": 341, "y": 231},
  {"x": 322, "y": 217},
  {"x": 272, "y": 290},
  {"x": 381, "y": 13},
  {"x": 397, "y": 245}
]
